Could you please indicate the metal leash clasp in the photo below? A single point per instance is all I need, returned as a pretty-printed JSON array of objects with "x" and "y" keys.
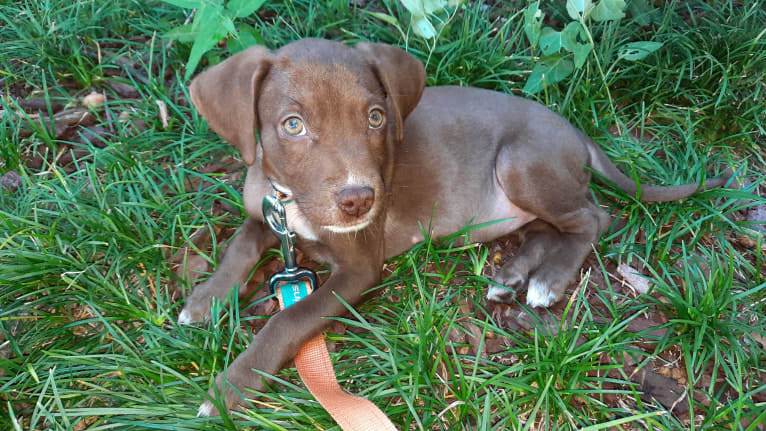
[{"x": 294, "y": 283}]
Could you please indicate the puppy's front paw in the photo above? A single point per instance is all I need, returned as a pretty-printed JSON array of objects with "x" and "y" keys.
[
  {"x": 206, "y": 410},
  {"x": 197, "y": 305},
  {"x": 194, "y": 312},
  {"x": 232, "y": 397},
  {"x": 540, "y": 294}
]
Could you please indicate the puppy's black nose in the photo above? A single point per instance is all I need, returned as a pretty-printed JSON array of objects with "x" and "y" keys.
[{"x": 355, "y": 201}]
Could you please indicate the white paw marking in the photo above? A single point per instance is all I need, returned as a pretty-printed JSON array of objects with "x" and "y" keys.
[
  {"x": 497, "y": 293},
  {"x": 184, "y": 318},
  {"x": 539, "y": 295},
  {"x": 205, "y": 409}
]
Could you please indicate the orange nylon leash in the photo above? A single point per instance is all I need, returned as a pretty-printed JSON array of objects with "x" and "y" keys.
[
  {"x": 313, "y": 362},
  {"x": 351, "y": 412}
]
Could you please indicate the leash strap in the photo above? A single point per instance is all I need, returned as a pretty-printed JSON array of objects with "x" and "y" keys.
[
  {"x": 313, "y": 362},
  {"x": 315, "y": 368},
  {"x": 351, "y": 412}
]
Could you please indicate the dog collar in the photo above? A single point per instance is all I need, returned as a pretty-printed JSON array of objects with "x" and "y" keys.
[
  {"x": 281, "y": 193},
  {"x": 293, "y": 283}
]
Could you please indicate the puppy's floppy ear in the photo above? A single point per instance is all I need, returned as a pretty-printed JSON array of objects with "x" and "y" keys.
[
  {"x": 402, "y": 75},
  {"x": 227, "y": 96}
]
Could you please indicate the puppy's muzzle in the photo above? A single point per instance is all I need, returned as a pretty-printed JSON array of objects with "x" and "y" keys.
[{"x": 355, "y": 201}]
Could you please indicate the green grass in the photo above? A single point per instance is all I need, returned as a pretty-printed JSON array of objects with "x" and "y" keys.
[{"x": 88, "y": 297}]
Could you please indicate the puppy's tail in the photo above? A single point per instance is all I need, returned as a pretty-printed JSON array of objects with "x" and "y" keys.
[{"x": 648, "y": 193}]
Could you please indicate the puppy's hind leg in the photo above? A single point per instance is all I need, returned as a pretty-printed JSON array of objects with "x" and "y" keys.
[
  {"x": 239, "y": 259},
  {"x": 553, "y": 186},
  {"x": 579, "y": 230}
]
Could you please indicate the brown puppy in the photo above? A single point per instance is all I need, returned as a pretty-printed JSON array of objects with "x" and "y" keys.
[{"x": 333, "y": 135}]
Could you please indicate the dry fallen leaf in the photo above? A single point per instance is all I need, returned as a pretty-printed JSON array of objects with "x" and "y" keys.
[
  {"x": 39, "y": 105},
  {"x": 663, "y": 389},
  {"x": 633, "y": 278},
  {"x": 93, "y": 99},
  {"x": 163, "y": 113},
  {"x": 123, "y": 90}
]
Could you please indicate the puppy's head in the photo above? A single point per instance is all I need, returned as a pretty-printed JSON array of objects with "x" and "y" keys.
[{"x": 328, "y": 115}]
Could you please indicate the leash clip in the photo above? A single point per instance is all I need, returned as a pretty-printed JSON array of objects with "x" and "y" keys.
[{"x": 293, "y": 283}]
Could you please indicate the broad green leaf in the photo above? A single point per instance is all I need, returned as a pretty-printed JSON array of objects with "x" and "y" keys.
[
  {"x": 581, "y": 51},
  {"x": 638, "y": 50},
  {"x": 533, "y": 22},
  {"x": 250, "y": 32},
  {"x": 245, "y": 37},
  {"x": 572, "y": 34},
  {"x": 575, "y": 41},
  {"x": 551, "y": 41},
  {"x": 559, "y": 70},
  {"x": 210, "y": 32},
  {"x": 424, "y": 7},
  {"x": 608, "y": 10},
  {"x": 432, "y": 6},
  {"x": 183, "y": 33},
  {"x": 200, "y": 47},
  {"x": 414, "y": 6},
  {"x": 186, "y": 4},
  {"x": 548, "y": 73},
  {"x": 576, "y": 8},
  {"x": 244, "y": 8},
  {"x": 423, "y": 27},
  {"x": 535, "y": 80},
  {"x": 643, "y": 12},
  {"x": 227, "y": 25}
]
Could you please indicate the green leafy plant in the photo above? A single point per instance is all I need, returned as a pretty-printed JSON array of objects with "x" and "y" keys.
[
  {"x": 425, "y": 12},
  {"x": 564, "y": 51},
  {"x": 428, "y": 18},
  {"x": 213, "y": 21}
]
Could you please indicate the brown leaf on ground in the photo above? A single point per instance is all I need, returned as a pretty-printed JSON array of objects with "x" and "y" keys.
[
  {"x": 226, "y": 164},
  {"x": 94, "y": 135},
  {"x": 649, "y": 327},
  {"x": 39, "y": 105},
  {"x": 468, "y": 335},
  {"x": 135, "y": 125},
  {"x": 60, "y": 122},
  {"x": 663, "y": 389},
  {"x": 757, "y": 215},
  {"x": 505, "y": 316},
  {"x": 11, "y": 181},
  {"x": 760, "y": 339},
  {"x": 123, "y": 90}
]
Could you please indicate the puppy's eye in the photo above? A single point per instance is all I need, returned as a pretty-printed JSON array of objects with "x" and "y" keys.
[
  {"x": 293, "y": 126},
  {"x": 376, "y": 118}
]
